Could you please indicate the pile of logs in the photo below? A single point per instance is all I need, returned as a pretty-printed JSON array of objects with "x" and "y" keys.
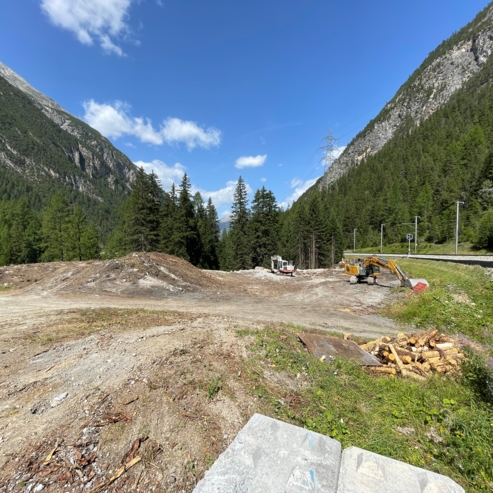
[{"x": 416, "y": 356}]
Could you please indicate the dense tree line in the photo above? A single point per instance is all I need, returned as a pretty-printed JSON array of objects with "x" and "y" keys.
[
  {"x": 58, "y": 232},
  {"x": 422, "y": 171},
  {"x": 180, "y": 224},
  {"x": 307, "y": 234},
  {"x": 173, "y": 222}
]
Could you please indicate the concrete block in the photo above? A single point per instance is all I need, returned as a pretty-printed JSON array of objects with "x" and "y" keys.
[
  {"x": 269, "y": 456},
  {"x": 366, "y": 472}
]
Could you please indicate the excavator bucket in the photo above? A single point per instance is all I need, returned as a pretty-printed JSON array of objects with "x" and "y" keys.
[{"x": 418, "y": 285}]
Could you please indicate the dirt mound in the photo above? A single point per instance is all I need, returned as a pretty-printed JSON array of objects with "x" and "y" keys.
[{"x": 137, "y": 274}]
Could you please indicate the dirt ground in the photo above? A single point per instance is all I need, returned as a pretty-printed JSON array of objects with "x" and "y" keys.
[{"x": 105, "y": 361}]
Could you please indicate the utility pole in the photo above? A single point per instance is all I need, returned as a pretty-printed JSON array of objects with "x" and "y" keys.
[
  {"x": 416, "y": 234},
  {"x": 381, "y": 237},
  {"x": 457, "y": 228},
  {"x": 354, "y": 241}
]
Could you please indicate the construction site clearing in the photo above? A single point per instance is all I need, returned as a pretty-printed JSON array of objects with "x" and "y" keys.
[{"x": 126, "y": 374}]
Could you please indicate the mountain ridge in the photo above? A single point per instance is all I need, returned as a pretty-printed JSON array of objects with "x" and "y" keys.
[
  {"x": 44, "y": 148},
  {"x": 442, "y": 73}
]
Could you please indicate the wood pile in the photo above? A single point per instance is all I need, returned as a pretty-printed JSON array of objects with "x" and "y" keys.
[{"x": 416, "y": 356}]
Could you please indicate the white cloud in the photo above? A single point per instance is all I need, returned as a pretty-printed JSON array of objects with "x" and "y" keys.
[
  {"x": 176, "y": 130},
  {"x": 250, "y": 161},
  {"x": 263, "y": 180},
  {"x": 224, "y": 195},
  {"x": 338, "y": 151},
  {"x": 166, "y": 174},
  {"x": 295, "y": 182},
  {"x": 300, "y": 187},
  {"x": 114, "y": 120},
  {"x": 89, "y": 20}
]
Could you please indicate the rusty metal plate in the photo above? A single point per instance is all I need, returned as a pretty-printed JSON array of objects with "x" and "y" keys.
[{"x": 320, "y": 344}]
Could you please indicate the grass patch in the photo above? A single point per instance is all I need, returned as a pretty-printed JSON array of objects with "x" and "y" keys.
[
  {"x": 465, "y": 248},
  {"x": 5, "y": 289},
  {"x": 441, "y": 424},
  {"x": 83, "y": 323},
  {"x": 214, "y": 388},
  {"x": 459, "y": 300}
]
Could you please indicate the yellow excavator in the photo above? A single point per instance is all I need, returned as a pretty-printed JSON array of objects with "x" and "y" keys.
[{"x": 368, "y": 269}]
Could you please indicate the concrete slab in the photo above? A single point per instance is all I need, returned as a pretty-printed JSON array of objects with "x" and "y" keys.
[
  {"x": 366, "y": 472},
  {"x": 269, "y": 456}
]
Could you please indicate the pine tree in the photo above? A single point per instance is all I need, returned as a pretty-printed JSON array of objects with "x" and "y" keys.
[
  {"x": 210, "y": 237},
  {"x": 317, "y": 232},
  {"x": 264, "y": 227},
  {"x": 81, "y": 238},
  {"x": 239, "y": 231},
  {"x": 300, "y": 233},
  {"x": 54, "y": 226},
  {"x": 185, "y": 239},
  {"x": 485, "y": 238},
  {"x": 168, "y": 220},
  {"x": 143, "y": 213},
  {"x": 335, "y": 239}
]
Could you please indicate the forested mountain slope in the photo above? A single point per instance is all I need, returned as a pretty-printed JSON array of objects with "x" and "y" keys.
[
  {"x": 430, "y": 87},
  {"x": 44, "y": 149},
  {"x": 423, "y": 170}
]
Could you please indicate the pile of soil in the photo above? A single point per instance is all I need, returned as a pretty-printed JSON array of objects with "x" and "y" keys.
[{"x": 137, "y": 274}]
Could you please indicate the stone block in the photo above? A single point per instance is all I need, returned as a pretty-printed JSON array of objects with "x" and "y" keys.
[
  {"x": 269, "y": 456},
  {"x": 366, "y": 472}
]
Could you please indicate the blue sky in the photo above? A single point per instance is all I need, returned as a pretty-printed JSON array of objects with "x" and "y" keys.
[{"x": 222, "y": 88}]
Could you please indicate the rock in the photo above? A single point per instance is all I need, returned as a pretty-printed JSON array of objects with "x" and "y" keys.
[
  {"x": 406, "y": 430},
  {"x": 433, "y": 85},
  {"x": 58, "y": 399}
]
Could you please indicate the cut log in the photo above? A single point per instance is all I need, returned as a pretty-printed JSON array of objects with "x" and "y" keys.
[
  {"x": 397, "y": 359},
  {"x": 429, "y": 354},
  {"x": 404, "y": 352},
  {"x": 391, "y": 357},
  {"x": 406, "y": 359},
  {"x": 445, "y": 345},
  {"x": 382, "y": 369},
  {"x": 386, "y": 339},
  {"x": 432, "y": 343},
  {"x": 433, "y": 361},
  {"x": 401, "y": 340},
  {"x": 412, "y": 341},
  {"x": 430, "y": 334},
  {"x": 417, "y": 368},
  {"x": 411, "y": 374},
  {"x": 451, "y": 361}
]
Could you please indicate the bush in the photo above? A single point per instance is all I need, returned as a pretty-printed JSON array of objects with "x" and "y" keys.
[
  {"x": 478, "y": 373},
  {"x": 485, "y": 235}
]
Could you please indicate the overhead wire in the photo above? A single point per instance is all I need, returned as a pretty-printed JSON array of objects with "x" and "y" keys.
[{"x": 286, "y": 192}]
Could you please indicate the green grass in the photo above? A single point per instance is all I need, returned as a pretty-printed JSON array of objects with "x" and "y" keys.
[
  {"x": 214, "y": 388},
  {"x": 340, "y": 400},
  {"x": 459, "y": 300},
  {"x": 465, "y": 248}
]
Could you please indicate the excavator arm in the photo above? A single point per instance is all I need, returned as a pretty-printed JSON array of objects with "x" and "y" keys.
[
  {"x": 374, "y": 260},
  {"x": 369, "y": 269}
]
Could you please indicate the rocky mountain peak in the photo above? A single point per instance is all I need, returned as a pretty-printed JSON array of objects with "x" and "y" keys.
[
  {"x": 17, "y": 81},
  {"x": 445, "y": 71}
]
